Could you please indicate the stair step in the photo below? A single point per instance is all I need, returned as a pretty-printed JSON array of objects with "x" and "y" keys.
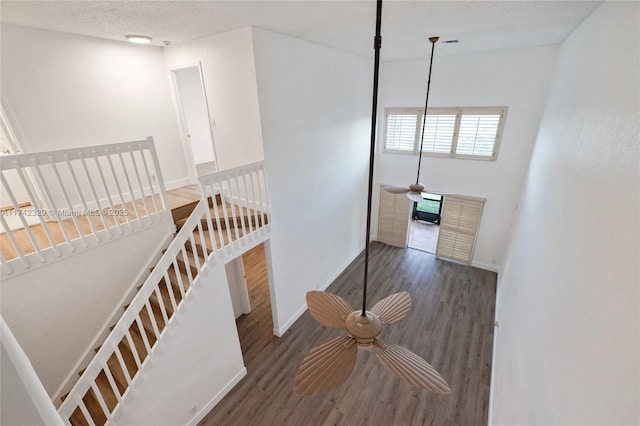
[
  {"x": 225, "y": 237},
  {"x": 94, "y": 409},
  {"x": 166, "y": 300},
  {"x": 174, "y": 284},
  {"x": 185, "y": 210},
  {"x": 127, "y": 357},
  {"x": 249, "y": 221},
  {"x": 199, "y": 249},
  {"x": 173, "y": 277},
  {"x": 148, "y": 326},
  {"x": 117, "y": 373},
  {"x": 190, "y": 264},
  {"x": 108, "y": 394}
]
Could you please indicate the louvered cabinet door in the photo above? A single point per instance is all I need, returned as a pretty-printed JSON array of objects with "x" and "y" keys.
[
  {"x": 393, "y": 220},
  {"x": 459, "y": 225}
]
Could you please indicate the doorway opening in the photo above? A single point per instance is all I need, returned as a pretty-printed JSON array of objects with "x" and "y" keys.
[
  {"x": 194, "y": 114},
  {"x": 425, "y": 222},
  {"x": 251, "y": 300}
]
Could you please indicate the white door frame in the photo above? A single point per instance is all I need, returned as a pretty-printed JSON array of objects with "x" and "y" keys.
[
  {"x": 241, "y": 285},
  {"x": 183, "y": 122}
]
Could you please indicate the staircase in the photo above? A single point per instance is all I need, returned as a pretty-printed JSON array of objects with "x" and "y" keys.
[
  {"x": 143, "y": 334},
  {"x": 223, "y": 232},
  {"x": 231, "y": 218}
]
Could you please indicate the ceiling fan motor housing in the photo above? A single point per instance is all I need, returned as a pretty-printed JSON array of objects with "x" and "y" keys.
[
  {"x": 416, "y": 187},
  {"x": 365, "y": 328}
]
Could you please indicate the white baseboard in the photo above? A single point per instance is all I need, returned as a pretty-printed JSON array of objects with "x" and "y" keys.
[
  {"x": 279, "y": 332},
  {"x": 178, "y": 183},
  {"x": 218, "y": 397},
  {"x": 324, "y": 286},
  {"x": 492, "y": 381},
  {"x": 486, "y": 266}
]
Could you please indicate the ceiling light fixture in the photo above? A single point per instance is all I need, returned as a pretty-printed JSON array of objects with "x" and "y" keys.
[{"x": 140, "y": 39}]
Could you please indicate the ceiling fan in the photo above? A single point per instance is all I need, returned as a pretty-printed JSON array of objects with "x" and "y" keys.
[
  {"x": 330, "y": 363},
  {"x": 414, "y": 191}
]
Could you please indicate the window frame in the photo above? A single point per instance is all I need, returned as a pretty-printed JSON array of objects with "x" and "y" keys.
[{"x": 459, "y": 112}]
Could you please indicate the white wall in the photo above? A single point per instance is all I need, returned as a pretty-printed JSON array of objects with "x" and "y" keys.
[
  {"x": 315, "y": 106},
  {"x": 518, "y": 79},
  {"x": 67, "y": 91},
  {"x": 567, "y": 349},
  {"x": 23, "y": 400},
  {"x": 56, "y": 311},
  {"x": 16, "y": 405},
  {"x": 230, "y": 84},
  {"x": 200, "y": 362}
]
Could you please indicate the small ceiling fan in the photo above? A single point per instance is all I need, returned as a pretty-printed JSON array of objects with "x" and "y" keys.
[
  {"x": 414, "y": 191},
  {"x": 330, "y": 363}
]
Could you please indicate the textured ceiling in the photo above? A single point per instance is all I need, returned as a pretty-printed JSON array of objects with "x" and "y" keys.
[{"x": 345, "y": 25}]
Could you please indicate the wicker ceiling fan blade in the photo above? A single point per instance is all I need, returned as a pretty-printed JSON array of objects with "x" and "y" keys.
[
  {"x": 393, "y": 308},
  {"x": 395, "y": 189},
  {"x": 328, "y": 309},
  {"x": 327, "y": 366},
  {"x": 410, "y": 367}
]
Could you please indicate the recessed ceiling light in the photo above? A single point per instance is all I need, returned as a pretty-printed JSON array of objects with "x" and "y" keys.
[{"x": 138, "y": 39}]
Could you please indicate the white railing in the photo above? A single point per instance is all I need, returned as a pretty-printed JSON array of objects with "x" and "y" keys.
[
  {"x": 27, "y": 375},
  {"x": 78, "y": 198},
  {"x": 240, "y": 217},
  {"x": 137, "y": 336}
]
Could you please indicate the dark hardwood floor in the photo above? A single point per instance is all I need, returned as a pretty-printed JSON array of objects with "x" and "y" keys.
[
  {"x": 450, "y": 325},
  {"x": 256, "y": 328}
]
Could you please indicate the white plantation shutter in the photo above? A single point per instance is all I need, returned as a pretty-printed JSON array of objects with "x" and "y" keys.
[
  {"x": 393, "y": 219},
  {"x": 478, "y": 134},
  {"x": 401, "y": 132},
  {"x": 459, "y": 225},
  {"x": 438, "y": 133},
  {"x": 469, "y": 132}
]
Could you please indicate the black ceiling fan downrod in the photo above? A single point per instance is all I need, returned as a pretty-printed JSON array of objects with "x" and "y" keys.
[
  {"x": 433, "y": 41},
  {"x": 377, "y": 44}
]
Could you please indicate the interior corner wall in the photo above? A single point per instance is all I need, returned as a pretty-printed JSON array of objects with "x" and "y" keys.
[
  {"x": 314, "y": 105},
  {"x": 18, "y": 407},
  {"x": 57, "y": 311},
  {"x": 66, "y": 91},
  {"x": 232, "y": 96},
  {"x": 567, "y": 346},
  {"x": 518, "y": 79}
]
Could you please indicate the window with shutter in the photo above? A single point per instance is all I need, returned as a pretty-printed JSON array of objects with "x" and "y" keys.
[
  {"x": 469, "y": 133},
  {"x": 459, "y": 225},
  {"x": 438, "y": 133},
  {"x": 401, "y": 131}
]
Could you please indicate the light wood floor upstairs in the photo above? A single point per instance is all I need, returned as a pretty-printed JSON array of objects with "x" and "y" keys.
[
  {"x": 181, "y": 198},
  {"x": 450, "y": 325}
]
